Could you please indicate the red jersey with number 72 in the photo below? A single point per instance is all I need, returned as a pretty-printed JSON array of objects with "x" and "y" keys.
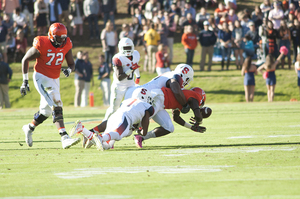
[{"x": 50, "y": 59}]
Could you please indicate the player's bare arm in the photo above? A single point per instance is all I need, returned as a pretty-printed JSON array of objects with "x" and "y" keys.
[
  {"x": 175, "y": 87},
  {"x": 70, "y": 60},
  {"x": 30, "y": 55},
  {"x": 120, "y": 73}
]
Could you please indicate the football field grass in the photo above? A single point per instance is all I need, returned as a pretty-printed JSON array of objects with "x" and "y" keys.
[{"x": 249, "y": 151}]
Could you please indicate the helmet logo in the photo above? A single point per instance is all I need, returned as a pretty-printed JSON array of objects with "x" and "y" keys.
[
  {"x": 143, "y": 91},
  {"x": 185, "y": 70}
]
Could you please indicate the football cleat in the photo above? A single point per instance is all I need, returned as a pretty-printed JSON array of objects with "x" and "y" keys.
[
  {"x": 90, "y": 143},
  {"x": 28, "y": 135},
  {"x": 138, "y": 141},
  {"x": 98, "y": 140},
  {"x": 67, "y": 141},
  {"x": 76, "y": 128}
]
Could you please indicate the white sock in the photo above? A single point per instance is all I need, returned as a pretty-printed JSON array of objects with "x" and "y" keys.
[
  {"x": 31, "y": 126},
  {"x": 88, "y": 134},
  {"x": 110, "y": 136},
  {"x": 149, "y": 135}
]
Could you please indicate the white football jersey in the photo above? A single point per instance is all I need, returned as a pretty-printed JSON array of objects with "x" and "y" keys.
[
  {"x": 134, "y": 109},
  {"x": 159, "y": 81},
  {"x": 126, "y": 64}
]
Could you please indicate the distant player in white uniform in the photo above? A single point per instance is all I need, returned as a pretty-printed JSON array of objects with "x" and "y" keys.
[
  {"x": 125, "y": 66},
  {"x": 133, "y": 112}
]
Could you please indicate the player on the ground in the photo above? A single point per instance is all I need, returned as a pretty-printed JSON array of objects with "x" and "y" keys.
[
  {"x": 133, "y": 112},
  {"x": 165, "y": 99},
  {"x": 175, "y": 80},
  {"x": 49, "y": 53}
]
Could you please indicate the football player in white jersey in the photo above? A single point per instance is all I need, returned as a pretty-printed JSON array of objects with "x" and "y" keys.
[
  {"x": 133, "y": 112},
  {"x": 125, "y": 65}
]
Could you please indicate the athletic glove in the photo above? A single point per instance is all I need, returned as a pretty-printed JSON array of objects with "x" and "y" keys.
[
  {"x": 137, "y": 80},
  {"x": 199, "y": 129},
  {"x": 195, "y": 121},
  {"x": 24, "y": 88},
  {"x": 185, "y": 108},
  {"x": 134, "y": 66},
  {"x": 67, "y": 71}
]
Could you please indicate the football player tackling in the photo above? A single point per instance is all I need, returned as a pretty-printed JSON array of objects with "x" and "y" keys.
[{"x": 49, "y": 53}]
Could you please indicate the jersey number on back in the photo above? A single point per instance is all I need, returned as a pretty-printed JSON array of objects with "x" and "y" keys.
[{"x": 60, "y": 57}]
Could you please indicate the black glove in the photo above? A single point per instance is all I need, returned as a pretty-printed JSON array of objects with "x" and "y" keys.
[
  {"x": 24, "y": 88},
  {"x": 186, "y": 108},
  {"x": 66, "y": 72},
  {"x": 199, "y": 129}
]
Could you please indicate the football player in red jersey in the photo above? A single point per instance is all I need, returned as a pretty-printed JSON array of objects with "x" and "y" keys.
[{"x": 49, "y": 53}]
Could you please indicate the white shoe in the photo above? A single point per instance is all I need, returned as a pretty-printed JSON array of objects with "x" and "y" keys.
[
  {"x": 90, "y": 143},
  {"x": 76, "y": 128},
  {"x": 98, "y": 140},
  {"x": 28, "y": 134},
  {"x": 84, "y": 141},
  {"x": 67, "y": 141}
]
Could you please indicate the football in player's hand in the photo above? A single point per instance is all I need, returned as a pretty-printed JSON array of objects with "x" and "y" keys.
[{"x": 205, "y": 111}]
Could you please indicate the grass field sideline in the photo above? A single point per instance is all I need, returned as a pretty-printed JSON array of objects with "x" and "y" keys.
[{"x": 248, "y": 151}]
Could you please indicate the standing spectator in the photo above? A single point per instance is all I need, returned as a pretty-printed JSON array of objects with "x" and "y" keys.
[
  {"x": 162, "y": 62},
  {"x": 295, "y": 36},
  {"x": 138, "y": 14},
  {"x": 10, "y": 46},
  {"x": 91, "y": 10},
  {"x": 297, "y": 70},
  {"x": 238, "y": 44},
  {"x": 21, "y": 45},
  {"x": 40, "y": 15},
  {"x": 189, "y": 9},
  {"x": 270, "y": 67},
  {"x": 141, "y": 36},
  {"x": 108, "y": 11},
  {"x": 126, "y": 32},
  {"x": 79, "y": 79},
  {"x": 104, "y": 73},
  {"x": 207, "y": 40},
  {"x": 249, "y": 46},
  {"x": 5, "y": 77},
  {"x": 276, "y": 15},
  {"x": 224, "y": 36},
  {"x": 245, "y": 23},
  {"x": 20, "y": 21},
  {"x": 189, "y": 41},
  {"x": 8, "y": 23},
  {"x": 249, "y": 70},
  {"x": 9, "y": 6},
  {"x": 76, "y": 12},
  {"x": 150, "y": 5},
  {"x": 162, "y": 30},
  {"x": 171, "y": 26},
  {"x": 257, "y": 16},
  {"x": 65, "y": 12},
  {"x": 232, "y": 16},
  {"x": 152, "y": 39},
  {"x": 55, "y": 11},
  {"x": 219, "y": 12},
  {"x": 109, "y": 40},
  {"x": 136, "y": 29},
  {"x": 174, "y": 13},
  {"x": 201, "y": 17},
  {"x": 272, "y": 35},
  {"x": 254, "y": 35},
  {"x": 262, "y": 32},
  {"x": 285, "y": 40},
  {"x": 3, "y": 34},
  {"x": 265, "y": 8},
  {"x": 189, "y": 21},
  {"x": 27, "y": 10},
  {"x": 88, "y": 78}
]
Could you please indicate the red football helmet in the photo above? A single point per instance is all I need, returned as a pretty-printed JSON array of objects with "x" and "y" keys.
[
  {"x": 201, "y": 93},
  {"x": 57, "y": 33}
]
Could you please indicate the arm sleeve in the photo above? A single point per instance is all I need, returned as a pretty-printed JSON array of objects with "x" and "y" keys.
[
  {"x": 151, "y": 110},
  {"x": 137, "y": 73}
]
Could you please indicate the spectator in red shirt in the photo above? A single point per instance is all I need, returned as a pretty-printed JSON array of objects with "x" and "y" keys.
[
  {"x": 162, "y": 59},
  {"x": 220, "y": 11},
  {"x": 189, "y": 41}
]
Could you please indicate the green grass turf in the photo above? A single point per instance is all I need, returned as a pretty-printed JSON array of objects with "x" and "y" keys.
[{"x": 249, "y": 151}]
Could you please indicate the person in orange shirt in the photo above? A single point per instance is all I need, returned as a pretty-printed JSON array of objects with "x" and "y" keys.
[
  {"x": 49, "y": 53},
  {"x": 189, "y": 41},
  {"x": 162, "y": 60}
]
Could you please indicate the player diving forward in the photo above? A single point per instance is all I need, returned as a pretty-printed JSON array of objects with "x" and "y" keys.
[
  {"x": 175, "y": 80},
  {"x": 49, "y": 53},
  {"x": 132, "y": 112},
  {"x": 165, "y": 99}
]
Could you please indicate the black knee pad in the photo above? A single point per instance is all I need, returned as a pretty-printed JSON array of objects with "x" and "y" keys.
[
  {"x": 57, "y": 114},
  {"x": 39, "y": 118}
]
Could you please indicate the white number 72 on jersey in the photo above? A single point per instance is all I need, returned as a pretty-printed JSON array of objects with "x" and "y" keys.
[{"x": 60, "y": 57}]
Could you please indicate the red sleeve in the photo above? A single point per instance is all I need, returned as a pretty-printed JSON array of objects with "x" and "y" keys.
[{"x": 116, "y": 62}]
